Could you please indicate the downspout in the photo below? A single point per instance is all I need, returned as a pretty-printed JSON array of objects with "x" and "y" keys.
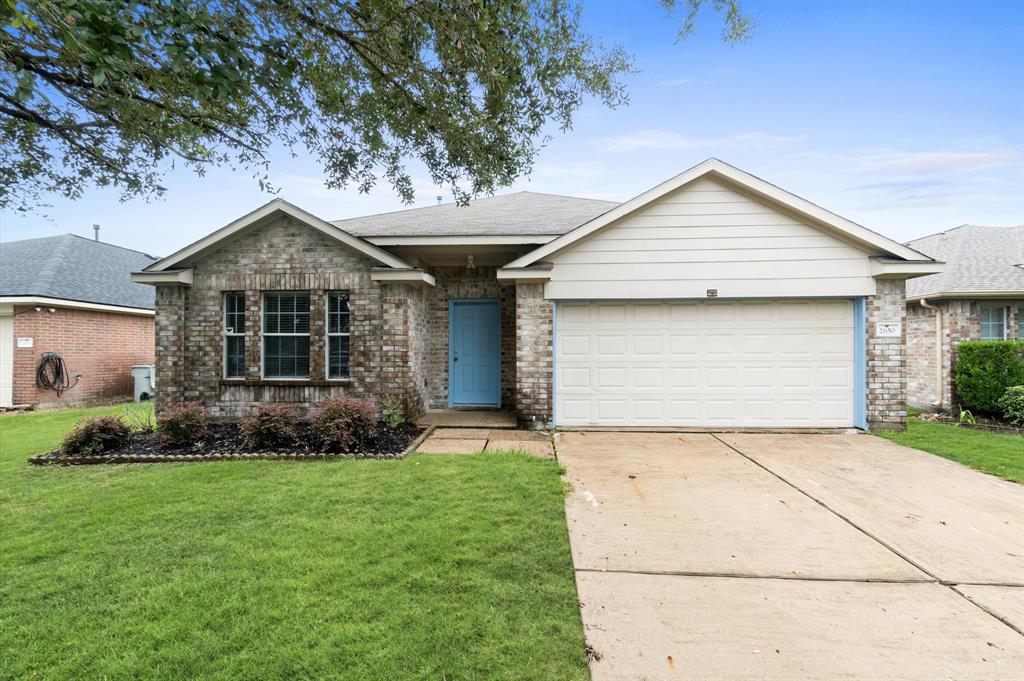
[{"x": 937, "y": 403}]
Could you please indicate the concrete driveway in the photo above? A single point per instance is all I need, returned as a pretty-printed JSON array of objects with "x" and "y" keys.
[{"x": 742, "y": 556}]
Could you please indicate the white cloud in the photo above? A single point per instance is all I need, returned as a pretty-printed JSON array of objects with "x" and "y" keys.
[
  {"x": 677, "y": 82},
  {"x": 934, "y": 162},
  {"x": 669, "y": 140}
]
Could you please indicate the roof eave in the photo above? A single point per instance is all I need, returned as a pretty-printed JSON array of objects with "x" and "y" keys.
[{"x": 264, "y": 212}]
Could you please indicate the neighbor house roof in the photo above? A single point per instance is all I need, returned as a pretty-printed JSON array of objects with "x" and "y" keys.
[
  {"x": 69, "y": 267},
  {"x": 520, "y": 213},
  {"x": 979, "y": 260}
]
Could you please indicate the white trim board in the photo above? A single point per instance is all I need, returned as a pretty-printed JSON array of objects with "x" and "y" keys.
[
  {"x": 462, "y": 240},
  {"x": 760, "y": 188},
  {"x": 266, "y": 211},
  {"x": 43, "y": 301}
]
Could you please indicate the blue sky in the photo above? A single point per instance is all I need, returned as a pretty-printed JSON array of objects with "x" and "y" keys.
[{"x": 907, "y": 117}]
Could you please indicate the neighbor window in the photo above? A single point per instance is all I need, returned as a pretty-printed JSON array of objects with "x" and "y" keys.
[
  {"x": 993, "y": 323},
  {"x": 337, "y": 334},
  {"x": 1020, "y": 323},
  {"x": 234, "y": 334},
  {"x": 286, "y": 334}
]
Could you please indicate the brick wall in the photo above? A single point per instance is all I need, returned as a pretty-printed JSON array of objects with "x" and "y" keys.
[
  {"x": 921, "y": 361},
  {"x": 283, "y": 255},
  {"x": 101, "y": 346},
  {"x": 533, "y": 354},
  {"x": 961, "y": 321},
  {"x": 460, "y": 283},
  {"x": 886, "y": 360}
]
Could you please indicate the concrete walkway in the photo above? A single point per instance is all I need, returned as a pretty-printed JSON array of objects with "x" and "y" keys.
[
  {"x": 473, "y": 440},
  {"x": 705, "y": 556}
]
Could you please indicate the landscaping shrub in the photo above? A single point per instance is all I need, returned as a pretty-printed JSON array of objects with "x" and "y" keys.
[
  {"x": 268, "y": 425},
  {"x": 392, "y": 410},
  {"x": 1012, "y": 404},
  {"x": 344, "y": 422},
  {"x": 182, "y": 425},
  {"x": 96, "y": 435},
  {"x": 985, "y": 369}
]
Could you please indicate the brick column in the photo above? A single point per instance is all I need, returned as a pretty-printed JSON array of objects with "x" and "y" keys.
[
  {"x": 171, "y": 308},
  {"x": 403, "y": 345},
  {"x": 887, "y": 358},
  {"x": 533, "y": 354}
]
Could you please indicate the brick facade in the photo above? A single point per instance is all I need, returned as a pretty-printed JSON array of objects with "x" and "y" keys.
[
  {"x": 886, "y": 358},
  {"x": 283, "y": 255},
  {"x": 399, "y": 332},
  {"x": 101, "y": 346},
  {"x": 961, "y": 321},
  {"x": 533, "y": 354}
]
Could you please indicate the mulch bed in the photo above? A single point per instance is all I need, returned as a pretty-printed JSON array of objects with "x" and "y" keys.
[{"x": 223, "y": 441}]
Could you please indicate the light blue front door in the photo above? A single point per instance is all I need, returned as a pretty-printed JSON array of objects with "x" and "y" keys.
[{"x": 474, "y": 353}]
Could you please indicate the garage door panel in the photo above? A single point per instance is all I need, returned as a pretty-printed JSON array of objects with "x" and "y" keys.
[{"x": 715, "y": 363}]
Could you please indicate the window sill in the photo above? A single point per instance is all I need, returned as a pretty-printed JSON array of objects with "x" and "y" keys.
[{"x": 287, "y": 382}]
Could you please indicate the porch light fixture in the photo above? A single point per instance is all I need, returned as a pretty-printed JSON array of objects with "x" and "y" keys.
[{"x": 470, "y": 265}]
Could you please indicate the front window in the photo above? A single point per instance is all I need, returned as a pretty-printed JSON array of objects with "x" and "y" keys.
[
  {"x": 337, "y": 334},
  {"x": 286, "y": 334},
  {"x": 993, "y": 323},
  {"x": 234, "y": 334}
]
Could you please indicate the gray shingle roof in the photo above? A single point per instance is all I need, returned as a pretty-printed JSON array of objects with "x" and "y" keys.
[
  {"x": 977, "y": 259},
  {"x": 520, "y": 213},
  {"x": 71, "y": 267}
]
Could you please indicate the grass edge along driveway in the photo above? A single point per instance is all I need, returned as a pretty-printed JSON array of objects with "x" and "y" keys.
[
  {"x": 429, "y": 567},
  {"x": 994, "y": 453}
]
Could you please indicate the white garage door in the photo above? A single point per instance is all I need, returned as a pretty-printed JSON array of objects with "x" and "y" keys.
[{"x": 704, "y": 363}]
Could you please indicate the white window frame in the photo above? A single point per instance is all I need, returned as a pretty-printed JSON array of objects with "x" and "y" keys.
[
  {"x": 231, "y": 334},
  {"x": 264, "y": 335},
  {"x": 1006, "y": 325},
  {"x": 329, "y": 336}
]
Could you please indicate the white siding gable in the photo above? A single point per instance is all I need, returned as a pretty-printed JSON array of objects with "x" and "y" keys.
[{"x": 707, "y": 235}]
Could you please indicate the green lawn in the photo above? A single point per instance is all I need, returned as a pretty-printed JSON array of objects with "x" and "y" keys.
[
  {"x": 1001, "y": 455},
  {"x": 433, "y": 567}
]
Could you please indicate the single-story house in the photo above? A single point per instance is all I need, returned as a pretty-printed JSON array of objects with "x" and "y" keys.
[
  {"x": 714, "y": 299},
  {"x": 979, "y": 296},
  {"x": 72, "y": 296}
]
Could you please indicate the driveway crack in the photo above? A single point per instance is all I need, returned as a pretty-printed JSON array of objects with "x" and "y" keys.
[{"x": 934, "y": 578}]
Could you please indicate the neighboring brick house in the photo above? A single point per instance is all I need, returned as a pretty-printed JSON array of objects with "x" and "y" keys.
[
  {"x": 72, "y": 296},
  {"x": 714, "y": 300},
  {"x": 979, "y": 296}
]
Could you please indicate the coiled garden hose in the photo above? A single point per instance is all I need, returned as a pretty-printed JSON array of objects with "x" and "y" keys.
[{"x": 52, "y": 374}]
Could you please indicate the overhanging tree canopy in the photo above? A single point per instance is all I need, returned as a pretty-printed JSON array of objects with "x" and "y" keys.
[{"x": 111, "y": 93}]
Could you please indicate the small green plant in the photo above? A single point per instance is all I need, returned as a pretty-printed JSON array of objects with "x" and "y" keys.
[
  {"x": 392, "y": 409},
  {"x": 140, "y": 417},
  {"x": 985, "y": 369},
  {"x": 97, "y": 435},
  {"x": 344, "y": 422},
  {"x": 268, "y": 425},
  {"x": 966, "y": 418},
  {"x": 182, "y": 425},
  {"x": 1012, "y": 405}
]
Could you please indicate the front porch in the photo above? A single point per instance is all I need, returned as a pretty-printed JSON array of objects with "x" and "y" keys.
[{"x": 463, "y": 418}]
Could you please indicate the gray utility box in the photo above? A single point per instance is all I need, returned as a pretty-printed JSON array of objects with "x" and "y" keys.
[{"x": 145, "y": 381}]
